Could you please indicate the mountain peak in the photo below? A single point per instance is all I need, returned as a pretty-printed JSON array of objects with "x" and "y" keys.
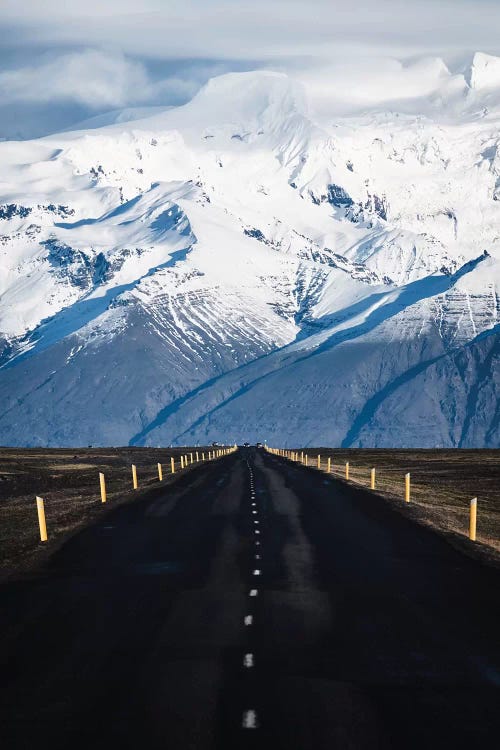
[
  {"x": 251, "y": 95},
  {"x": 483, "y": 72}
]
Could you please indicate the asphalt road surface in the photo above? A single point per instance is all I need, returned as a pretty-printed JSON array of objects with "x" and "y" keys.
[{"x": 256, "y": 604}]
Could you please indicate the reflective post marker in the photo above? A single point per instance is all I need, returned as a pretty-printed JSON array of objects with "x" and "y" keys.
[
  {"x": 473, "y": 519},
  {"x": 102, "y": 482},
  {"x": 41, "y": 519}
]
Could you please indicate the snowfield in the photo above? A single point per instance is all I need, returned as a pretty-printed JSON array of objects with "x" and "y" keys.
[{"x": 245, "y": 268}]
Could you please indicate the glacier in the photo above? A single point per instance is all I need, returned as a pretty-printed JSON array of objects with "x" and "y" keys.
[{"x": 244, "y": 267}]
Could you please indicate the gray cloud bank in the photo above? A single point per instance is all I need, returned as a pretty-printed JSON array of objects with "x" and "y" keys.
[{"x": 60, "y": 62}]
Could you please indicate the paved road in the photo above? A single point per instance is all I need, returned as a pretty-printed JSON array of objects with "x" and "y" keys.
[{"x": 256, "y": 605}]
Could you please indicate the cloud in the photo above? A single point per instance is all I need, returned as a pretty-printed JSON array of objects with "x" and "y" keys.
[
  {"x": 89, "y": 77},
  {"x": 97, "y": 56},
  {"x": 261, "y": 28}
]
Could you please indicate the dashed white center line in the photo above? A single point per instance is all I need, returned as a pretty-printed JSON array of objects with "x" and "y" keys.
[
  {"x": 248, "y": 661},
  {"x": 250, "y": 719}
]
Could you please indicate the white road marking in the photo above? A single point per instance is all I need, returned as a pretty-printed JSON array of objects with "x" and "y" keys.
[
  {"x": 248, "y": 661},
  {"x": 257, "y": 543},
  {"x": 257, "y": 557},
  {"x": 254, "y": 512},
  {"x": 256, "y": 572},
  {"x": 254, "y": 592},
  {"x": 257, "y": 531},
  {"x": 256, "y": 522},
  {"x": 250, "y": 719},
  {"x": 248, "y": 620},
  {"x": 254, "y": 505}
]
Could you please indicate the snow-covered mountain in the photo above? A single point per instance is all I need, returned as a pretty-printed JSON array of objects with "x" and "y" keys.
[{"x": 245, "y": 268}]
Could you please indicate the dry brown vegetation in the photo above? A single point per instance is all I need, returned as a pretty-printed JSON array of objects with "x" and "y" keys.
[
  {"x": 442, "y": 484},
  {"x": 68, "y": 481}
]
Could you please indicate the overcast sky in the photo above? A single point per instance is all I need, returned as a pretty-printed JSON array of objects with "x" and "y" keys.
[{"x": 63, "y": 61}]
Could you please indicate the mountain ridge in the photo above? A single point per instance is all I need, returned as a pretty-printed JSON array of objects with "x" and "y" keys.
[{"x": 270, "y": 271}]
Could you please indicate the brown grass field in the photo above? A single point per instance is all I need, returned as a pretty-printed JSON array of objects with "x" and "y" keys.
[
  {"x": 68, "y": 481},
  {"x": 442, "y": 484}
]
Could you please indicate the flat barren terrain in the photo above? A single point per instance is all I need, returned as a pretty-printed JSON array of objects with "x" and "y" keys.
[
  {"x": 443, "y": 482},
  {"x": 68, "y": 481},
  {"x": 442, "y": 485}
]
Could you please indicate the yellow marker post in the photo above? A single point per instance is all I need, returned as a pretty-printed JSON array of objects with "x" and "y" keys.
[
  {"x": 347, "y": 470},
  {"x": 202, "y": 456},
  {"x": 102, "y": 482},
  {"x": 372, "y": 479},
  {"x": 182, "y": 462},
  {"x": 319, "y": 462},
  {"x": 41, "y": 519},
  {"x": 172, "y": 465},
  {"x": 329, "y": 465},
  {"x": 197, "y": 459},
  {"x": 473, "y": 519},
  {"x": 306, "y": 459},
  {"x": 134, "y": 476},
  {"x": 160, "y": 473},
  {"x": 302, "y": 457},
  {"x": 407, "y": 488},
  {"x": 191, "y": 457}
]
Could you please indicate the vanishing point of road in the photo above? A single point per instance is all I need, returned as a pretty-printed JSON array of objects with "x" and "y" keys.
[{"x": 252, "y": 604}]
